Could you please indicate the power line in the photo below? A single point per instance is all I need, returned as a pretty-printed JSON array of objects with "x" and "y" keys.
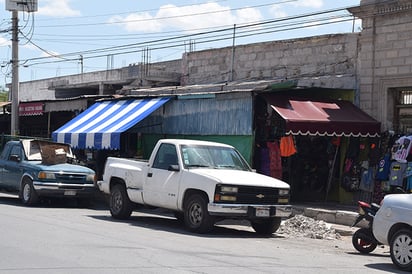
[
  {"x": 166, "y": 17},
  {"x": 150, "y": 43},
  {"x": 128, "y": 12},
  {"x": 210, "y": 39}
]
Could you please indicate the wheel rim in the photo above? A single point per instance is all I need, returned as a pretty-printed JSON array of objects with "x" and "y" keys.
[
  {"x": 402, "y": 249},
  {"x": 196, "y": 214},
  {"x": 117, "y": 202},
  {"x": 26, "y": 192}
]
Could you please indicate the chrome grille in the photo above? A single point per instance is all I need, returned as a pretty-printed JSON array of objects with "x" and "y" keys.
[
  {"x": 257, "y": 195},
  {"x": 71, "y": 178},
  {"x": 253, "y": 195}
]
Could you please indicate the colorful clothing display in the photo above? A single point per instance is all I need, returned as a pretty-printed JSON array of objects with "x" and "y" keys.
[
  {"x": 401, "y": 149},
  {"x": 397, "y": 173},
  {"x": 287, "y": 146},
  {"x": 275, "y": 159},
  {"x": 383, "y": 168}
]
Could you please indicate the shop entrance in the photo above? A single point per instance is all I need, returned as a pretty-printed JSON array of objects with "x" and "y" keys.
[{"x": 305, "y": 142}]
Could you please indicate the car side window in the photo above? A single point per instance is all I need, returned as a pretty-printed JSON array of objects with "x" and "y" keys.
[
  {"x": 166, "y": 156},
  {"x": 16, "y": 150},
  {"x": 5, "y": 152}
]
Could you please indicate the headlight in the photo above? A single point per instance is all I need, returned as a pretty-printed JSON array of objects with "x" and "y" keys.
[
  {"x": 283, "y": 192},
  {"x": 91, "y": 177},
  {"x": 227, "y": 198},
  {"x": 46, "y": 175},
  {"x": 224, "y": 198},
  {"x": 226, "y": 189}
]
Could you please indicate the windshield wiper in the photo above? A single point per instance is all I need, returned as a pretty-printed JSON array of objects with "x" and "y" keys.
[
  {"x": 226, "y": 166},
  {"x": 197, "y": 165}
]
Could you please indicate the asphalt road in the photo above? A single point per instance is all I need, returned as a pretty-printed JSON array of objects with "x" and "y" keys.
[{"x": 60, "y": 237}]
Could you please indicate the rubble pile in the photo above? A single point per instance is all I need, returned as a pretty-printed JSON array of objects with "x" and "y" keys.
[{"x": 302, "y": 226}]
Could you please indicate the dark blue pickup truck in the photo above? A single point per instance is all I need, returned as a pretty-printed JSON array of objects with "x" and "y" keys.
[{"x": 37, "y": 168}]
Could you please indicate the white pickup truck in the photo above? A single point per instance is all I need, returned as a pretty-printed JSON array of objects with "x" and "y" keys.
[{"x": 201, "y": 182}]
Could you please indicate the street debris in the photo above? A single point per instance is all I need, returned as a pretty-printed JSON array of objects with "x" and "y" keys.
[{"x": 306, "y": 227}]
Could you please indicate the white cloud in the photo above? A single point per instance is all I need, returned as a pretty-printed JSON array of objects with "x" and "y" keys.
[
  {"x": 4, "y": 42},
  {"x": 277, "y": 12},
  {"x": 308, "y": 3},
  {"x": 57, "y": 8},
  {"x": 192, "y": 17},
  {"x": 138, "y": 22}
]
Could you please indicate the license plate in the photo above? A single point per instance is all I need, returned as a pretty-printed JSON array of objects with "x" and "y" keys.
[
  {"x": 69, "y": 192},
  {"x": 262, "y": 212}
]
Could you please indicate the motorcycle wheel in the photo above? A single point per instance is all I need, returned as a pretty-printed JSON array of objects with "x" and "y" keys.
[{"x": 363, "y": 241}]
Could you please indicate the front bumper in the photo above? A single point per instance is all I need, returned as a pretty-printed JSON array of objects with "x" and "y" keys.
[
  {"x": 62, "y": 189},
  {"x": 249, "y": 211}
]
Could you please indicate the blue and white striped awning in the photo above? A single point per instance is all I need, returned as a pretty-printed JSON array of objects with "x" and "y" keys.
[{"x": 100, "y": 125}]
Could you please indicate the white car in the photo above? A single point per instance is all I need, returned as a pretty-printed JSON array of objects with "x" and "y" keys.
[{"x": 392, "y": 226}]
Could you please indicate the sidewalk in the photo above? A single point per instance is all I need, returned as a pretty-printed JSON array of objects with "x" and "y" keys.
[{"x": 341, "y": 217}]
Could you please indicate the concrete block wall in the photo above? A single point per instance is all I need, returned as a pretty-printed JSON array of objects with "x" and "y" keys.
[
  {"x": 385, "y": 56},
  {"x": 316, "y": 56},
  {"x": 45, "y": 88}
]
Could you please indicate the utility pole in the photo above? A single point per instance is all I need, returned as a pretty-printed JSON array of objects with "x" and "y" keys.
[
  {"x": 15, "y": 6},
  {"x": 15, "y": 75}
]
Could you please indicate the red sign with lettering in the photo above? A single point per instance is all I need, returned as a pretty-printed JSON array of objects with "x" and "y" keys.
[{"x": 30, "y": 109}]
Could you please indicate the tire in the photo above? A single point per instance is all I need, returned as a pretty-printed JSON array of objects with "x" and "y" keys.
[
  {"x": 401, "y": 249},
  {"x": 266, "y": 226},
  {"x": 28, "y": 195},
  {"x": 120, "y": 205},
  {"x": 196, "y": 216},
  {"x": 364, "y": 241}
]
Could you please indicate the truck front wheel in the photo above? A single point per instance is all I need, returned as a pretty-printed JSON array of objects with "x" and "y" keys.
[
  {"x": 266, "y": 226},
  {"x": 120, "y": 205},
  {"x": 196, "y": 216},
  {"x": 28, "y": 195}
]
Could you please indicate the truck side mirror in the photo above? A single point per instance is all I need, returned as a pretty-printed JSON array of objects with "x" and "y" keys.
[
  {"x": 173, "y": 168},
  {"x": 14, "y": 158}
]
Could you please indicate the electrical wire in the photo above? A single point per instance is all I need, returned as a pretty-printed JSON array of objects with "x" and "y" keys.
[
  {"x": 180, "y": 44},
  {"x": 166, "y": 17},
  {"x": 215, "y": 32}
]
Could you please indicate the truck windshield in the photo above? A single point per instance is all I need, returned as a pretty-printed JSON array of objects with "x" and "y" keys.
[{"x": 213, "y": 157}]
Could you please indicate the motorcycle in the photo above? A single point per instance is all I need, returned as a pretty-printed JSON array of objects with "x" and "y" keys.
[{"x": 363, "y": 239}]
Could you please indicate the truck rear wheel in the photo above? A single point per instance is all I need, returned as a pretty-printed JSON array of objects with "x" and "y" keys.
[
  {"x": 120, "y": 205},
  {"x": 197, "y": 218},
  {"x": 266, "y": 226}
]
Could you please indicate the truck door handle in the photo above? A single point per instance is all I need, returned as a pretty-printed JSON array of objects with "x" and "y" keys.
[{"x": 149, "y": 174}]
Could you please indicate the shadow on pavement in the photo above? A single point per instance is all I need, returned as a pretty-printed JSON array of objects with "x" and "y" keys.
[
  {"x": 170, "y": 224},
  {"x": 92, "y": 203}
]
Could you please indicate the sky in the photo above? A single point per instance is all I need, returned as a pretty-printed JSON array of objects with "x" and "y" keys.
[{"x": 65, "y": 37}]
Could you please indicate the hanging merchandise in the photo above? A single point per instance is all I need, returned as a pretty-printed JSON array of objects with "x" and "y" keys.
[
  {"x": 352, "y": 169},
  {"x": 397, "y": 172},
  {"x": 408, "y": 175},
  {"x": 367, "y": 180},
  {"x": 351, "y": 178},
  {"x": 287, "y": 146},
  {"x": 401, "y": 149},
  {"x": 275, "y": 159},
  {"x": 264, "y": 161},
  {"x": 386, "y": 187},
  {"x": 374, "y": 152},
  {"x": 383, "y": 168}
]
